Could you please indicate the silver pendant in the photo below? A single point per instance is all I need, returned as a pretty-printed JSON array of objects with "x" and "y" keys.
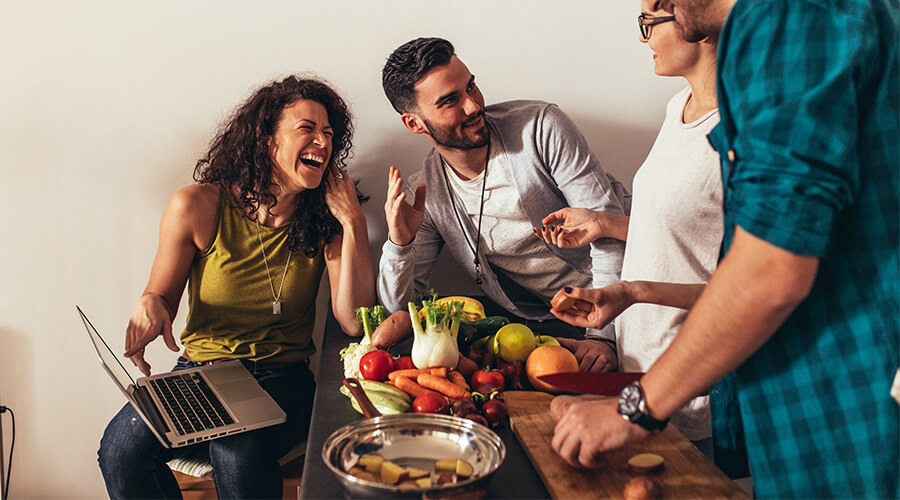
[{"x": 276, "y": 308}]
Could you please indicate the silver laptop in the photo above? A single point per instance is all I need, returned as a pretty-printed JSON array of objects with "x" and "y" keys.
[{"x": 193, "y": 405}]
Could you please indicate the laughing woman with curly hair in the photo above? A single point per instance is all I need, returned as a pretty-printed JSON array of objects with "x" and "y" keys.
[{"x": 271, "y": 210}]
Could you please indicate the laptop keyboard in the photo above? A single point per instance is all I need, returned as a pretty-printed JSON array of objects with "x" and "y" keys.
[{"x": 190, "y": 403}]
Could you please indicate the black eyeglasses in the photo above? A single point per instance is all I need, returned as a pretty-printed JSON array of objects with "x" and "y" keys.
[{"x": 647, "y": 22}]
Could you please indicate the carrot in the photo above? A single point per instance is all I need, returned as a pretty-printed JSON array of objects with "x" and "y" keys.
[
  {"x": 410, "y": 373},
  {"x": 442, "y": 386},
  {"x": 458, "y": 379},
  {"x": 408, "y": 386}
]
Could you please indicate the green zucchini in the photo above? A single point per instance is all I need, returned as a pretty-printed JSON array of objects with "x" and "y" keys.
[
  {"x": 373, "y": 386},
  {"x": 485, "y": 327},
  {"x": 383, "y": 402},
  {"x": 489, "y": 325}
]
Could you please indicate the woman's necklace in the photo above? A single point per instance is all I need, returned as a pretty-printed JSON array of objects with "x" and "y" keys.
[
  {"x": 276, "y": 304},
  {"x": 479, "y": 277}
]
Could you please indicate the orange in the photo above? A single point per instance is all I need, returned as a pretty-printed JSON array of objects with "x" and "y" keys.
[{"x": 548, "y": 359}]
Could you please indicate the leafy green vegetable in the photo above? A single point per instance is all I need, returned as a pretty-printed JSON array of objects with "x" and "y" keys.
[{"x": 370, "y": 317}]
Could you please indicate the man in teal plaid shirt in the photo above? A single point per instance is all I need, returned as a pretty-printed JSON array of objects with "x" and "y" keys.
[{"x": 805, "y": 303}]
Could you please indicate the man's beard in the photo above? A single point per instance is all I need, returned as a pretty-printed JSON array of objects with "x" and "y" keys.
[
  {"x": 692, "y": 18},
  {"x": 448, "y": 137}
]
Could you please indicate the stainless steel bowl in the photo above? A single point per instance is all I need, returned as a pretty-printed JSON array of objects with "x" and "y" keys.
[{"x": 416, "y": 440}]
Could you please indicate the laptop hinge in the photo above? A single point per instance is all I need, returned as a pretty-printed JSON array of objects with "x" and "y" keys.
[{"x": 143, "y": 397}]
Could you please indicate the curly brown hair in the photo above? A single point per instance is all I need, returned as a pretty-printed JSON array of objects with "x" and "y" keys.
[{"x": 240, "y": 162}]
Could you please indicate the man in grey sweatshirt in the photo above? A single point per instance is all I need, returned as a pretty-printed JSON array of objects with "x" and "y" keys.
[{"x": 493, "y": 174}]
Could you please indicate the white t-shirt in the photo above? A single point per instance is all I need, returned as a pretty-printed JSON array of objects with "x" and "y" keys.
[
  {"x": 506, "y": 236},
  {"x": 674, "y": 235}
]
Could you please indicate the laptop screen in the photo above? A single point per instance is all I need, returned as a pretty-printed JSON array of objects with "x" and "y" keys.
[{"x": 106, "y": 355}]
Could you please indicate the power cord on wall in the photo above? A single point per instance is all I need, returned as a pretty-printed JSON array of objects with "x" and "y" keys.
[{"x": 5, "y": 484}]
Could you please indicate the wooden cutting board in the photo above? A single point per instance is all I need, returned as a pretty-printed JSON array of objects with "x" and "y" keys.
[{"x": 687, "y": 473}]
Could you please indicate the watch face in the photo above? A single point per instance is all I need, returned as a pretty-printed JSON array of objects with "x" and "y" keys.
[{"x": 629, "y": 400}]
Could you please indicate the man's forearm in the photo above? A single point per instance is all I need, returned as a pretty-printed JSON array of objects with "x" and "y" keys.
[
  {"x": 395, "y": 276},
  {"x": 680, "y": 295},
  {"x": 753, "y": 291}
]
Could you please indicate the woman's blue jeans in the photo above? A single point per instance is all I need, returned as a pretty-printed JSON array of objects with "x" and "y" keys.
[{"x": 245, "y": 465}]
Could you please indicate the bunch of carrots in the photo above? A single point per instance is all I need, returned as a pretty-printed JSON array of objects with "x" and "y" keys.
[{"x": 416, "y": 381}]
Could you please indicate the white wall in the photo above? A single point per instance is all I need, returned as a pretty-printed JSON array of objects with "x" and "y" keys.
[{"x": 106, "y": 105}]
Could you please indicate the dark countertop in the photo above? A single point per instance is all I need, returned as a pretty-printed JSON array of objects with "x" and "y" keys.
[{"x": 516, "y": 477}]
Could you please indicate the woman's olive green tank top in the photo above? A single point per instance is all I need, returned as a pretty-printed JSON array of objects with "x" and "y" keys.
[{"x": 230, "y": 296}]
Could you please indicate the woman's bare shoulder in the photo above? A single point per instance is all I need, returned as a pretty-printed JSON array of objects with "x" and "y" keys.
[
  {"x": 191, "y": 214},
  {"x": 195, "y": 199}
]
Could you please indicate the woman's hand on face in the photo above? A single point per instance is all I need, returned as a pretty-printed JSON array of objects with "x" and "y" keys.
[
  {"x": 571, "y": 227},
  {"x": 595, "y": 307},
  {"x": 150, "y": 319},
  {"x": 340, "y": 195}
]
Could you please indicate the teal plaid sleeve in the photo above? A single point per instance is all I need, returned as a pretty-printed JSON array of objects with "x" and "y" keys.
[
  {"x": 809, "y": 97},
  {"x": 794, "y": 102}
]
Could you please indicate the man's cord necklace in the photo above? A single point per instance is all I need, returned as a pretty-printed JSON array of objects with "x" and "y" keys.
[{"x": 479, "y": 277}]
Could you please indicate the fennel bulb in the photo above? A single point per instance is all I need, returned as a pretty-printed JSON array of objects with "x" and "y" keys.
[{"x": 435, "y": 344}]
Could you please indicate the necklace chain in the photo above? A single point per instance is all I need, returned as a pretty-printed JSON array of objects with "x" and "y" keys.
[
  {"x": 476, "y": 261},
  {"x": 276, "y": 305}
]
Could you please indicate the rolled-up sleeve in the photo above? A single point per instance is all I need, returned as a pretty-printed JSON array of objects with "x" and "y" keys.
[{"x": 794, "y": 162}]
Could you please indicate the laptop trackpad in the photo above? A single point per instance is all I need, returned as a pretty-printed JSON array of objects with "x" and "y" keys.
[{"x": 240, "y": 390}]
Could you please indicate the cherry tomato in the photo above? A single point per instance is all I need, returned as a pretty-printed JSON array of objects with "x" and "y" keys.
[
  {"x": 431, "y": 402},
  {"x": 376, "y": 365},
  {"x": 404, "y": 363},
  {"x": 490, "y": 377}
]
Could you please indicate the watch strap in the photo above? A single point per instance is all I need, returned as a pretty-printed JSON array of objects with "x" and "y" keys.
[{"x": 648, "y": 422}]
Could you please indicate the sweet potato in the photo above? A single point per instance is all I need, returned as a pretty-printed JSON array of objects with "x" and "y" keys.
[
  {"x": 644, "y": 463},
  {"x": 392, "y": 330},
  {"x": 560, "y": 404},
  {"x": 466, "y": 366},
  {"x": 561, "y": 302},
  {"x": 642, "y": 488}
]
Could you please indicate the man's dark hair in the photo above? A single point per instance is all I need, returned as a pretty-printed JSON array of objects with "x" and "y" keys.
[
  {"x": 407, "y": 65},
  {"x": 240, "y": 161}
]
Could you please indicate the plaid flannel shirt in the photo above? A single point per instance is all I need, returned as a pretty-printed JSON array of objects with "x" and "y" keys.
[{"x": 810, "y": 147}]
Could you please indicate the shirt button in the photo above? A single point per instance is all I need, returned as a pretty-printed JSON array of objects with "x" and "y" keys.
[{"x": 731, "y": 155}]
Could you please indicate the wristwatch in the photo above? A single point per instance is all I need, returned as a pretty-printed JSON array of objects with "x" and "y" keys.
[{"x": 634, "y": 409}]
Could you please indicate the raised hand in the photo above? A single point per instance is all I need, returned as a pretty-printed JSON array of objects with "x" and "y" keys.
[
  {"x": 403, "y": 219},
  {"x": 595, "y": 307}
]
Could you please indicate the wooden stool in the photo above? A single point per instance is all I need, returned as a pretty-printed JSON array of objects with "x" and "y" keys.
[{"x": 195, "y": 475}]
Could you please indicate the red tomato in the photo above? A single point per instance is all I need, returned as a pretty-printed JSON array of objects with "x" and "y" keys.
[
  {"x": 404, "y": 363},
  {"x": 376, "y": 365},
  {"x": 490, "y": 377},
  {"x": 431, "y": 402}
]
